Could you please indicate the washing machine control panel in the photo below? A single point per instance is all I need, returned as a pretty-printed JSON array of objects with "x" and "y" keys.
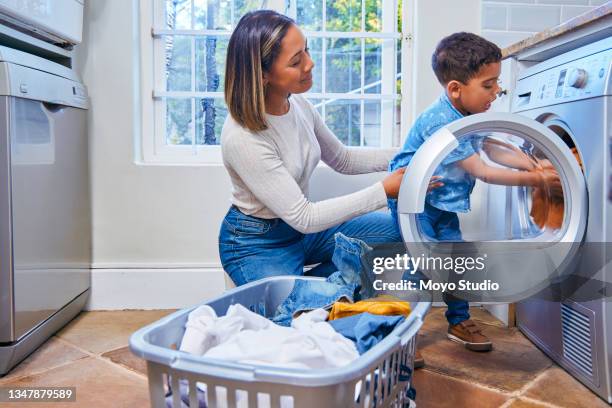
[{"x": 586, "y": 77}]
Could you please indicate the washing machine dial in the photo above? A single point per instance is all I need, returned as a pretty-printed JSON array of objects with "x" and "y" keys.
[{"x": 578, "y": 78}]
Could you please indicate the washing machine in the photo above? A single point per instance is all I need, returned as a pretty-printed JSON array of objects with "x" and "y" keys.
[
  {"x": 572, "y": 95},
  {"x": 560, "y": 118}
]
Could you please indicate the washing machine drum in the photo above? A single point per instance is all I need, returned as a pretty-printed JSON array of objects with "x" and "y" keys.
[{"x": 521, "y": 238}]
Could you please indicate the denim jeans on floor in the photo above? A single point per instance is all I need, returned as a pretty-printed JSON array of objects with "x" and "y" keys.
[
  {"x": 444, "y": 226},
  {"x": 253, "y": 248},
  {"x": 344, "y": 284}
]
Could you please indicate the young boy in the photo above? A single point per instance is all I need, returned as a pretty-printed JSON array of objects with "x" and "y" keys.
[{"x": 468, "y": 67}]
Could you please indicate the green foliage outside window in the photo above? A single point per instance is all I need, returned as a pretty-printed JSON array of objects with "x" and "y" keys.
[{"x": 343, "y": 64}]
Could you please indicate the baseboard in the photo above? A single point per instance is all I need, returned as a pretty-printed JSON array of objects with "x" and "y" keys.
[{"x": 147, "y": 288}]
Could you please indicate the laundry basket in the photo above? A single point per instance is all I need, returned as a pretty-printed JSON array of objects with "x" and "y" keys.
[{"x": 378, "y": 378}]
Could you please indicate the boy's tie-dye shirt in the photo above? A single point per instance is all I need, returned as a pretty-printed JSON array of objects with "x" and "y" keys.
[{"x": 454, "y": 196}]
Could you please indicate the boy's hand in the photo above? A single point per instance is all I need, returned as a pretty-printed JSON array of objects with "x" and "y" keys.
[
  {"x": 393, "y": 181},
  {"x": 550, "y": 182}
]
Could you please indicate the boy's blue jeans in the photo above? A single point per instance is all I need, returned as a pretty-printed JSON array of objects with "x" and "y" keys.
[
  {"x": 253, "y": 248},
  {"x": 444, "y": 226}
]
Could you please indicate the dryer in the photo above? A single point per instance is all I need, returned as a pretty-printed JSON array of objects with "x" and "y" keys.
[
  {"x": 561, "y": 113},
  {"x": 571, "y": 94}
]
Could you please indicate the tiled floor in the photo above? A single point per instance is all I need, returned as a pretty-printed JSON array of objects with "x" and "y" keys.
[{"x": 91, "y": 354}]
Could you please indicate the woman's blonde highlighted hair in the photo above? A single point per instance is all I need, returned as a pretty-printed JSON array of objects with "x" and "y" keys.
[{"x": 252, "y": 49}]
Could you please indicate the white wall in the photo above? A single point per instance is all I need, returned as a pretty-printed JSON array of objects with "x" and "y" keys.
[
  {"x": 435, "y": 19},
  {"x": 155, "y": 227},
  {"x": 144, "y": 217},
  {"x": 506, "y": 22}
]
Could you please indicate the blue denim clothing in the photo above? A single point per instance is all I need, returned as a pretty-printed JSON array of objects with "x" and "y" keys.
[
  {"x": 458, "y": 184},
  {"x": 444, "y": 226},
  {"x": 344, "y": 284},
  {"x": 252, "y": 248},
  {"x": 366, "y": 329}
]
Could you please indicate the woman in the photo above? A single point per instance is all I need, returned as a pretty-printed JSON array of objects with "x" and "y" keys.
[{"x": 271, "y": 142}]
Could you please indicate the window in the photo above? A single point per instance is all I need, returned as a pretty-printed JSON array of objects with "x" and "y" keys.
[{"x": 355, "y": 44}]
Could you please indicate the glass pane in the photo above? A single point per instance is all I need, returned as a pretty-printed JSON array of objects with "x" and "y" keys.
[
  {"x": 343, "y": 117},
  {"x": 178, "y": 63},
  {"x": 178, "y": 14},
  {"x": 241, "y": 7},
  {"x": 315, "y": 44},
  {"x": 343, "y": 15},
  {"x": 210, "y": 116},
  {"x": 373, "y": 20},
  {"x": 210, "y": 55},
  {"x": 318, "y": 104},
  {"x": 371, "y": 124},
  {"x": 212, "y": 15},
  {"x": 373, "y": 66},
  {"x": 343, "y": 65},
  {"x": 500, "y": 212},
  {"x": 179, "y": 128},
  {"x": 310, "y": 14}
]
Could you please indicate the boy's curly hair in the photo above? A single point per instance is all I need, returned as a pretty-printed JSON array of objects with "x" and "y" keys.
[{"x": 460, "y": 56}]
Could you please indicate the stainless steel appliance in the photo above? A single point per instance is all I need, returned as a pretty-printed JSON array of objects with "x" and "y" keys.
[
  {"x": 562, "y": 112},
  {"x": 57, "y": 21},
  {"x": 45, "y": 223},
  {"x": 572, "y": 95}
]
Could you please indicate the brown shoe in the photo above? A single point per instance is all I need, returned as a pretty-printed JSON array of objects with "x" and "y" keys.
[
  {"x": 419, "y": 361},
  {"x": 469, "y": 334}
]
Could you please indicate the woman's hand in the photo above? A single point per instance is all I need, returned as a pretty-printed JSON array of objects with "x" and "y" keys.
[{"x": 393, "y": 181}]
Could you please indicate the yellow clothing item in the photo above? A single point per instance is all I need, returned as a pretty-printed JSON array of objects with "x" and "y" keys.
[{"x": 377, "y": 306}]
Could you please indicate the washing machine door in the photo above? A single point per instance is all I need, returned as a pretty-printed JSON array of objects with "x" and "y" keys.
[{"x": 532, "y": 217}]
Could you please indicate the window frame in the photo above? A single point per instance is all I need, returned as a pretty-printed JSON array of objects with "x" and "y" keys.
[{"x": 152, "y": 147}]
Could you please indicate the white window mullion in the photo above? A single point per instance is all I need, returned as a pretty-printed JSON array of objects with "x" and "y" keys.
[
  {"x": 292, "y": 9},
  {"x": 324, "y": 56},
  {"x": 185, "y": 94},
  {"x": 192, "y": 14},
  {"x": 158, "y": 32},
  {"x": 408, "y": 7},
  {"x": 193, "y": 89},
  {"x": 387, "y": 74},
  {"x": 362, "y": 87},
  {"x": 160, "y": 80}
]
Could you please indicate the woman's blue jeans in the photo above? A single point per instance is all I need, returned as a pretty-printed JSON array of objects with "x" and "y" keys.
[{"x": 253, "y": 248}]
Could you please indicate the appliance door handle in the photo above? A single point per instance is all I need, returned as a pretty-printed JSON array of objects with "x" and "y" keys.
[{"x": 53, "y": 106}]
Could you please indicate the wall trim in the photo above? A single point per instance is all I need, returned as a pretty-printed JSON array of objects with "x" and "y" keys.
[{"x": 143, "y": 288}]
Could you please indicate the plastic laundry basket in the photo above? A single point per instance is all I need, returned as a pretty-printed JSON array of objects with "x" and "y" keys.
[{"x": 378, "y": 378}]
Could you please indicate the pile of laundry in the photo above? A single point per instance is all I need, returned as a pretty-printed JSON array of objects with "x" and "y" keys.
[{"x": 321, "y": 324}]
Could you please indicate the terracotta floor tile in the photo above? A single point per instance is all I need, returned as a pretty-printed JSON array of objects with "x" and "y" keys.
[
  {"x": 557, "y": 387},
  {"x": 439, "y": 391},
  {"x": 98, "y": 384},
  {"x": 99, "y": 332},
  {"x": 523, "y": 403},
  {"x": 127, "y": 359},
  {"x": 513, "y": 362},
  {"x": 51, "y": 354},
  {"x": 436, "y": 320}
]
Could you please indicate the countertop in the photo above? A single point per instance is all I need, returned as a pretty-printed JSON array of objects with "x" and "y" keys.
[{"x": 575, "y": 23}]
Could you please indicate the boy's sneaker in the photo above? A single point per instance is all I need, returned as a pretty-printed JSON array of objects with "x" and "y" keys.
[{"x": 469, "y": 334}]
